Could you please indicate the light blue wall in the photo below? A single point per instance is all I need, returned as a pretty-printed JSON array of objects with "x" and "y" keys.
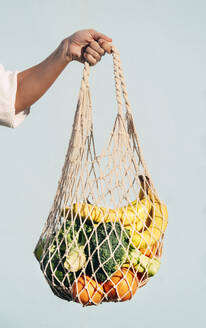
[{"x": 163, "y": 50}]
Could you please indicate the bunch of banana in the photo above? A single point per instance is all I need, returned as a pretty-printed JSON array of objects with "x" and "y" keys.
[
  {"x": 146, "y": 218},
  {"x": 133, "y": 215}
]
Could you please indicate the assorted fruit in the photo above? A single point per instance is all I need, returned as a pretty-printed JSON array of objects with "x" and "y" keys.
[{"x": 101, "y": 254}]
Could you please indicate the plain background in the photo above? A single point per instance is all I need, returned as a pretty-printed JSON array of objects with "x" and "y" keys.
[{"x": 163, "y": 50}]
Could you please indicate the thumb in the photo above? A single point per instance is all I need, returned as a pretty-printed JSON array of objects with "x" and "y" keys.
[{"x": 96, "y": 36}]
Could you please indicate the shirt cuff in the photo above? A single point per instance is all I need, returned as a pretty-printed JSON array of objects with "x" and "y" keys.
[
  {"x": 7, "y": 102},
  {"x": 19, "y": 118}
]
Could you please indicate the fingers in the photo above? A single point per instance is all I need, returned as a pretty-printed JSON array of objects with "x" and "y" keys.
[
  {"x": 90, "y": 59},
  {"x": 96, "y": 36},
  {"x": 105, "y": 46},
  {"x": 94, "y": 53},
  {"x": 96, "y": 50},
  {"x": 102, "y": 41}
]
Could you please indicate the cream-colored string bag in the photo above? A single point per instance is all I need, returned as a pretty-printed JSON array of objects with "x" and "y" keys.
[{"x": 103, "y": 237}]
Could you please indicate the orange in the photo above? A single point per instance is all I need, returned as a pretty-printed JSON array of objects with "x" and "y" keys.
[
  {"x": 122, "y": 285},
  {"x": 87, "y": 291}
]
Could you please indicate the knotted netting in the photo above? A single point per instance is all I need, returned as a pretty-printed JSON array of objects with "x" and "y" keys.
[{"x": 104, "y": 234}]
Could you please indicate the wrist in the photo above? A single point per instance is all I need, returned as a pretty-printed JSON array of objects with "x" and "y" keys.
[
  {"x": 65, "y": 50},
  {"x": 62, "y": 53}
]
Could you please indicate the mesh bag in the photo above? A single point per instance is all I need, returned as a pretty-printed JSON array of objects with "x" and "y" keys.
[{"x": 104, "y": 234}]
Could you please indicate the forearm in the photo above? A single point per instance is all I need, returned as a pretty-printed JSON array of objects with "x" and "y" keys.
[{"x": 35, "y": 81}]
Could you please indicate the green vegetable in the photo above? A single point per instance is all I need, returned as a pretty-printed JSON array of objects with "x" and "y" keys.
[
  {"x": 55, "y": 271},
  {"x": 153, "y": 267},
  {"x": 39, "y": 250},
  {"x": 63, "y": 260},
  {"x": 108, "y": 246},
  {"x": 142, "y": 262}
]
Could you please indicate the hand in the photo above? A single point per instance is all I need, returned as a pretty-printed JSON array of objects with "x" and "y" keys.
[{"x": 88, "y": 45}]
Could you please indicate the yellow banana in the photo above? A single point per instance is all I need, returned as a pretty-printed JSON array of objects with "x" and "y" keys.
[
  {"x": 134, "y": 216},
  {"x": 94, "y": 213},
  {"x": 156, "y": 229},
  {"x": 138, "y": 211}
]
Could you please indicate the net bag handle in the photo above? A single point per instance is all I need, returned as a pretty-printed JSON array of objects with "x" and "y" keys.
[{"x": 121, "y": 92}]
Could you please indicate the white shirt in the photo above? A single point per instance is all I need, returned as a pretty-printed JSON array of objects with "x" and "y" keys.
[{"x": 8, "y": 87}]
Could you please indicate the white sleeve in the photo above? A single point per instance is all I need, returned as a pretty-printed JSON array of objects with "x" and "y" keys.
[{"x": 8, "y": 87}]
